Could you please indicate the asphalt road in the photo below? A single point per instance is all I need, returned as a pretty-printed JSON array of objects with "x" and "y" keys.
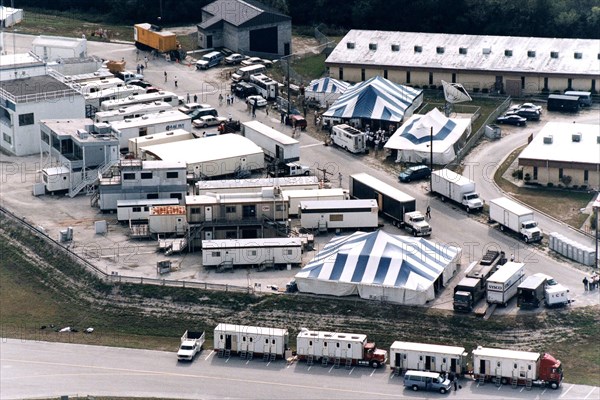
[{"x": 39, "y": 369}]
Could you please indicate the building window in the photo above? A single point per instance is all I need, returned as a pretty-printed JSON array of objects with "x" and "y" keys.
[
  {"x": 128, "y": 176},
  {"x": 407, "y": 76},
  {"x": 578, "y": 56},
  {"x": 508, "y": 53},
  {"x": 46, "y": 138},
  {"x": 546, "y": 83},
  {"x": 175, "y": 196},
  {"x": 535, "y": 173},
  {"x": 230, "y": 209},
  {"x": 350, "y": 45},
  {"x": 362, "y": 74},
  {"x": 560, "y": 173},
  {"x": 439, "y": 50},
  {"x": 586, "y": 175},
  {"x": 6, "y": 138},
  {"x": 431, "y": 78},
  {"x": 26, "y": 119},
  {"x": 136, "y": 209},
  {"x": 554, "y": 54},
  {"x": 341, "y": 73},
  {"x": 290, "y": 251},
  {"x": 216, "y": 254},
  {"x": 454, "y": 77},
  {"x": 195, "y": 210},
  {"x": 593, "y": 85},
  {"x": 531, "y": 53},
  {"x": 462, "y": 50},
  {"x": 151, "y": 196},
  {"x": 280, "y": 207},
  {"x": 522, "y": 82},
  {"x": 146, "y": 175},
  {"x": 172, "y": 175},
  {"x": 569, "y": 84},
  {"x": 372, "y": 46},
  {"x": 418, "y": 49},
  {"x": 385, "y": 74},
  {"x": 395, "y": 47}
]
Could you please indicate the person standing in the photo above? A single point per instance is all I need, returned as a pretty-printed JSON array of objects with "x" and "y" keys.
[
  {"x": 220, "y": 99},
  {"x": 146, "y": 61},
  {"x": 585, "y": 283},
  {"x": 428, "y": 212},
  {"x": 175, "y": 81},
  {"x": 165, "y": 76},
  {"x": 282, "y": 116},
  {"x": 195, "y": 98}
]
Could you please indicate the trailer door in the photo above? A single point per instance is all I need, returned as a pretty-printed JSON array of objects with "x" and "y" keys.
[
  {"x": 208, "y": 215},
  {"x": 279, "y": 152},
  {"x": 453, "y": 366},
  {"x": 506, "y": 218},
  {"x": 227, "y": 342},
  {"x": 428, "y": 363},
  {"x": 484, "y": 367}
]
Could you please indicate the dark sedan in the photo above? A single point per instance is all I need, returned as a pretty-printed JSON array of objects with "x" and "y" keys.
[{"x": 512, "y": 120}]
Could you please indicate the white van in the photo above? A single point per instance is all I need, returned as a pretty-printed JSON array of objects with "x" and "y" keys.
[
  {"x": 425, "y": 380},
  {"x": 585, "y": 98},
  {"x": 209, "y": 60},
  {"x": 244, "y": 73}
]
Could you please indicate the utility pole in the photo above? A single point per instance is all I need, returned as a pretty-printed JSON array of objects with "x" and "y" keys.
[{"x": 325, "y": 173}]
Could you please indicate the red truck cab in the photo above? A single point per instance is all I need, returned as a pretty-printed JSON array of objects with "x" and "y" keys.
[
  {"x": 374, "y": 356},
  {"x": 551, "y": 371}
]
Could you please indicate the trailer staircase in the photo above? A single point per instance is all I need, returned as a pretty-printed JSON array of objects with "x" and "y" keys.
[
  {"x": 272, "y": 356},
  {"x": 225, "y": 265},
  {"x": 267, "y": 264},
  {"x": 220, "y": 353},
  {"x": 322, "y": 227},
  {"x": 481, "y": 379},
  {"x": 514, "y": 382},
  {"x": 348, "y": 363},
  {"x": 337, "y": 362},
  {"x": 498, "y": 380},
  {"x": 529, "y": 384},
  {"x": 310, "y": 360},
  {"x": 324, "y": 361},
  {"x": 397, "y": 371},
  {"x": 90, "y": 177},
  {"x": 227, "y": 353}
]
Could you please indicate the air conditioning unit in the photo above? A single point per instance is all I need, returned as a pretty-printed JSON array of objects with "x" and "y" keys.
[
  {"x": 576, "y": 137},
  {"x": 548, "y": 139}
]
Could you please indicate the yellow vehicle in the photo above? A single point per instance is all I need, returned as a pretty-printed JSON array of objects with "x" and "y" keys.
[{"x": 148, "y": 36}]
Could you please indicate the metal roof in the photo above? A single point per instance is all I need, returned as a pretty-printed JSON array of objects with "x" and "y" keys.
[
  {"x": 382, "y": 187},
  {"x": 159, "y": 164},
  {"x": 270, "y": 132},
  {"x": 36, "y": 85},
  {"x": 562, "y": 146},
  {"x": 506, "y": 354},
  {"x": 150, "y": 119},
  {"x": 251, "y": 330},
  {"x": 58, "y": 41},
  {"x": 250, "y": 243},
  {"x": 427, "y": 348},
  {"x": 287, "y": 181},
  {"x": 324, "y": 335},
  {"x": 337, "y": 204},
  {"x": 421, "y": 50},
  {"x": 240, "y": 13},
  {"x": 505, "y": 271}
]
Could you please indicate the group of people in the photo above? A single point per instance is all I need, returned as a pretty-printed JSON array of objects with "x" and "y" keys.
[
  {"x": 454, "y": 379},
  {"x": 592, "y": 282},
  {"x": 376, "y": 139}
]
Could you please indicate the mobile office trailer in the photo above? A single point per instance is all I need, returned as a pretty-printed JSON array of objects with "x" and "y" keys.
[
  {"x": 349, "y": 348},
  {"x": 334, "y": 214},
  {"x": 349, "y": 138},
  {"x": 143, "y": 98},
  {"x": 148, "y": 36},
  {"x": 266, "y": 87},
  {"x": 295, "y": 196},
  {"x": 255, "y": 185},
  {"x": 560, "y": 102},
  {"x": 132, "y": 111},
  {"x": 167, "y": 219},
  {"x": 250, "y": 341},
  {"x": 585, "y": 98},
  {"x": 90, "y": 76},
  {"x": 531, "y": 292},
  {"x": 235, "y": 252},
  {"x": 136, "y": 143},
  {"x": 428, "y": 357},
  {"x": 96, "y": 85},
  {"x": 512, "y": 215},
  {"x": 244, "y": 73},
  {"x": 450, "y": 185},
  {"x": 277, "y": 146},
  {"x": 150, "y": 124},
  {"x": 138, "y": 210},
  {"x": 502, "y": 285},
  {"x": 392, "y": 202},
  {"x": 516, "y": 367},
  {"x": 95, "y": 99}
]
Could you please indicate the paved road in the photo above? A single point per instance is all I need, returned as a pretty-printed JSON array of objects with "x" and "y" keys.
[{"x": 40, "y": 369}]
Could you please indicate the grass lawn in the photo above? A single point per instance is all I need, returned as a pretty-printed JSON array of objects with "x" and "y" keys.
[{"x": 311, "y": 67}]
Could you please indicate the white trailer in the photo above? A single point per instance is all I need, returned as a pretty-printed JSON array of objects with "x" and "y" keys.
[
  {"x": 256, "y": 185},
  {"x": 97, "y": 85},
  {"x": 516, "y": 367},
  {"x": 176, "y": 135},
  {"x": 228, "y": 154},
  {"x": 249, "y": 341},
  {"x": 349, "y": 138},
  {"x": 512, "y": 215},
  {"x": 277, "y": 146},
  {"x": 143, "y": 98},
  {"x": 55, "y": 48},
  {"x": 150, "y": 124},
  {"x": 139, "y": 210},
  {"x": 95, "y": 99},
  {"x": 57, "y": 179},
  {"x": 502, "y": 285},
  {"x": 167, "y": 219},
  {"x": 556, "y": 296},
  {"x": 450, "y": 185},
  {"x": 234, "y": 252},
  {"x": 347, "y": 348},
  {"x": 427, "y": 357},
  {"x": 295, "y": 196},
  {"x": 338, "y": 214},
  {"x": 133, "y": 111}
]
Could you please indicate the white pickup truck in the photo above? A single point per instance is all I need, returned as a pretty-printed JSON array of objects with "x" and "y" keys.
[
  {"x": 191, "y": 344},
  {"x": 415, "y": 223}
]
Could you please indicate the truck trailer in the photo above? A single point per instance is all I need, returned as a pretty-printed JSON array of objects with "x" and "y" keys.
[
  {"x": 531, "y": 292},
  {"x": 338, "y": 214},
  {"x": 191, "y": 344},
  {"x": 472, "y": 287},
  {"x": 450, "y": 185},
  {"x": 278, "y": 147},
  {"x": 295, "y": 196},
  {"x": 515, "y": 217},
  {"x": 392, "y": 202},
  {"x": 249, "y": 341},
  {"x": 556, "y": 296},
  {"x": 502, "y": 285},
  {"x": 516, "y": 368},
  {"x": 153, "y": 37},
  {"x": 258, "y": 252},
  {"x": 427, "y": 357},
  {"x": 561, "y": 102},
  {"x": 347, "y": 349}
]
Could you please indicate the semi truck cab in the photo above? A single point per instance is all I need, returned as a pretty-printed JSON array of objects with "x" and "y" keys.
[
  {"x": 415, "y": 223},
  {"x": 373, "y": 356},
  {"x": 551, "y": 372}
]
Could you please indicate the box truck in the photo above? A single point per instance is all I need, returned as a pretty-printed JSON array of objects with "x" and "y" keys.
[
  {"x": 531, "y": 292},
  {"x": 502, "y": 285},
  {"x": 152, "y": 37},
  {"x": 450, "y": 185},
  {"x": 561, "y": 102},
  {"x": 392, "y": 202},
  {"x": 472, "y": 287},
  {"x": 511, "y": 215},
  {"x": 276, "y": 145}
]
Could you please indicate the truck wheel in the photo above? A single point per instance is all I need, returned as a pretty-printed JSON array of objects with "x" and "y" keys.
[
  {"x": 553, "y": 385},
  {"x": 468, "y": 209},
  {"x": 504, "y": 381},
  {"x": 443, "y": 390},
  {"x": 414, "y": 232},
  {"x": 443, "y": 198},
  {"x": 525, "y": 239},
  {"x": 375, "y": 364},
  {"x": 415, "y": 388},
  {"x": 307, "y": 173},
  {"x": 502, "y": 228}
]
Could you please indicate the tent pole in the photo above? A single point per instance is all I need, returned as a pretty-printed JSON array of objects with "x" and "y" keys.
[{"x": 431, "y": 158}]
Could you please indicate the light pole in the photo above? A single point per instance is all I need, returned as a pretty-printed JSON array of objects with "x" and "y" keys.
[{"x": 596, "y": 208}]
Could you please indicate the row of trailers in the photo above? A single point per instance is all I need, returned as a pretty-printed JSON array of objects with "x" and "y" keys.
[{"x": 500, "y": 366}]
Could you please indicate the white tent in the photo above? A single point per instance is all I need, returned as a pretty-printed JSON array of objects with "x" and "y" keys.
[
  {"x": 413, "y": 138},
  {"x": 326, "y": 90},
  {"x": 377, "y": 265}
]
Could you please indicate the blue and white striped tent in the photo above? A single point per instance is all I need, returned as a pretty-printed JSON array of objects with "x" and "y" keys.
[
  {"x": 326, "y": 90},
  {"x": 375, "y": 99},
  {"x": 377, "y": 265}
]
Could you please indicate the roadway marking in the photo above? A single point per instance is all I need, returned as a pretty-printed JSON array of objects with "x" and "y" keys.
[
  {"x": 565, "y": 393},
  {"x": 269, "y": 363},
  {"x": 372, "y": 372},
  {"x": 543, "y": 391},
  {"x": 523, "y": 388},
  {"x": 227, "y": 359},
  {"x": 188, "y": 375},
  {"x": 309, "y": 368},
  {"x": 209, "y": 355},
  {"x": 591, "y": 391},
  {"x": 499, "y": 387},
  {"x": 330, "y": 369},
  {"x": 247, "y": 362},
  {"x": 352, "y": 370},
  {"x": 311, "y": 145}
]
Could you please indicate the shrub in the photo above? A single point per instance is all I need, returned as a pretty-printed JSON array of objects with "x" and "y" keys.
[
  {"x": 574, "y": 187},
  {"x": 550, "y": 184},
  {"x": 545, "y": 90},
  {"x": 527, "y": 177},
  {"x": 583, "y": 187},
  {"x": 485, "y": 90},
  {"x": 566, "y": 179},
  {"x": 476, "y": 90},
  {"x": 518, "y": 174}
]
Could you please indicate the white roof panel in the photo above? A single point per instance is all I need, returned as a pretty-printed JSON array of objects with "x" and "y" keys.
[
  {"x": 382, "y": 187},
  {"x": 506, "y": 354},
  {"x": 427, "y": 348},
  {"x": 323, "y": 335},
  {"x": 270, "y": 132},
  {"x": 250, "y": 243},
  {"x": 337, "y": 204},
  {"x": 251, "y": 330}
]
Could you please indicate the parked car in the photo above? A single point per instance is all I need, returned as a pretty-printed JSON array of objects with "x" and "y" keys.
[
  {"x": 512, "y": 119},
  {"x": 251, "y": 61},
  {"x": 527, "y": 106},
  {"x": 189, "y": 107},
  {"x": 298, "y": 121},
  {"x": 260, "y": 101},
  {"x": 201, "y": 112},
  {"x": 528, "y": 114},
  {"x": 208, "y": 120},
  {"x": 139, "y": 82},
  {"x": 234, "y": 59},
  {"x": 266, "y": 63},
  {"x": 415, "y": 173}
]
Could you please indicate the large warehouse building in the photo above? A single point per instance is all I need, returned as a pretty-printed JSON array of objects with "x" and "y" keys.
[{"x": 511, "y": 65}]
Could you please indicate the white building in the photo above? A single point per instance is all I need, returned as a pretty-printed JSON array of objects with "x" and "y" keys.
[
  {"x": 564, "y": 154},
  {"x": 54, "y": 48},
  {"x": 10, "y": 16},
  {"x": 26, "y": 101}
]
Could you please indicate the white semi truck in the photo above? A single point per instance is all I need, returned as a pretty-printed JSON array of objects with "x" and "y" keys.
[
  {"x": 502, "y": 285},
  {"x": 450, "y": 185},
  {"x": 511, "y": 215},
  {"x": 191, "y": 344},
  {"x": 415, "y": 223}
]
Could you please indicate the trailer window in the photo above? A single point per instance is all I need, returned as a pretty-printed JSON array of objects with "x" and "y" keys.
[
  {"x": 146, "y": 175},
  {"x": 251, "y": 340},
  {"x": 324, "y": 344},
  {"x": 243, "y": 338},
  {"x": 216, "y": 254},
  {"x": 349, "y": 346},
  {"x": 230, "y": 209},
  {"x": 266, "y": 341},
  {"x": 444, "y": 360},
  {"x": 289, "y": 252},
  {"x": 529, "y": 367},
  {"x": 195, "y": 210},
  {"x": 515, "y": 366},
  {"x": 221, "y": 337},
  {"x": 310, "y": 342},
  {"x": 498, "y": 364},
  {"x": 337, "y": 345},
  {"x": 172, "y": 175},
  {"x": 273, "y": 341},
  {"x": 420, "y": 358},
  {"x": 129, "y": 176},
  {"x": 136, "y": 209}
]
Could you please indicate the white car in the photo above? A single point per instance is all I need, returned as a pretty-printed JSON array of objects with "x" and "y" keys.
[
  {"x": 527, "y": 106},
  {"x": 208, "y": 120},
  {"x": 235, "y": 58},
  {"x": 251, "y": 61},
  {"x": 260, "y": 101},
  {"x": 189, "y": 107},
  {"x": 266, "y": 63}
]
